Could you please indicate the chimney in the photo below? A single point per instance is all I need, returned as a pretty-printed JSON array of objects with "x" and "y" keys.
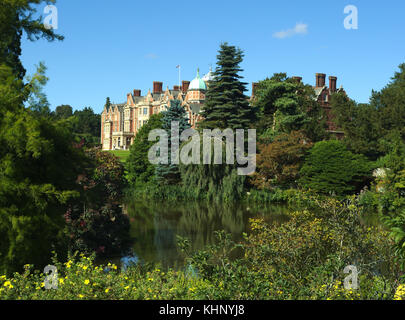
[
  {"x": 320, "y": 80},
  {"x": 298, "y": 79},
  {"x": 137, "y": 93},
  {"x": 185, "y": 85},
  {"x": 254, "y": 88},
  {"x": 157, "y": 87},
  {"x": 176, "y": 88},
  {"x": 332, "y": 84}
]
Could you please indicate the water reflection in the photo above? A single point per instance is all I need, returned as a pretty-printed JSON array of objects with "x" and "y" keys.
[{"x": 155, "y": 226}]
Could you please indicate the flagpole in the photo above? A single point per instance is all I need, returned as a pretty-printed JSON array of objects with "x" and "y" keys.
[{"x": 179, "y": 76}]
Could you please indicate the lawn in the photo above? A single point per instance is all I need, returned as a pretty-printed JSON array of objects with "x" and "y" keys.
[{"x": 122, "y": 154}]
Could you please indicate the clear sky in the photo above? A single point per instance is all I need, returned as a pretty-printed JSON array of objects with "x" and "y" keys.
[{"x": 113, "y": 47}]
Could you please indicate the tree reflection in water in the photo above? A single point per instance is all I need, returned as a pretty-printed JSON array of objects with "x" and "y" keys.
[{"x": 155, "y": 226}]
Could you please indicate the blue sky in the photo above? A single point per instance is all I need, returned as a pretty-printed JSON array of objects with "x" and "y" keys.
[{"x": 113, "y": 47}]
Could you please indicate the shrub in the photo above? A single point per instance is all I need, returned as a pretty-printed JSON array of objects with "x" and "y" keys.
[{"x": 331, "y": 168}]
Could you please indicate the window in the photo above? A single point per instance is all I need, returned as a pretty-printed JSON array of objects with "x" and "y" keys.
[{"x": 145, "y": 111}]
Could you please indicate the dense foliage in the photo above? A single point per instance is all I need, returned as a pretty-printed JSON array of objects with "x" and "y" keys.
[
  {"x": 139, "y": 168},
  {"x": 279, "y": 162},
  {"x": 303, "y": 258},
  {"x": 96, "y": 222},
  {"x": 169, "y": 173},
  {"x": 285, "y": 105},
  {"x": 226, "y": 105},
  {"x": 332, "y": 169}
]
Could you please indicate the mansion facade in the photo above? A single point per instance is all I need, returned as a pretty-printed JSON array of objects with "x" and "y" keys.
[{"x": 121, "y": 122}]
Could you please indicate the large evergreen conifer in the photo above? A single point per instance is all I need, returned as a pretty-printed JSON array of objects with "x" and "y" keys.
[
  {"x": 226, "y": 105},
  {"x": 169, "y": 173}
]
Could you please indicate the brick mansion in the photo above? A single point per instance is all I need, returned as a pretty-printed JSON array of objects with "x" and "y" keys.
[{"x": 121, "y": 122}]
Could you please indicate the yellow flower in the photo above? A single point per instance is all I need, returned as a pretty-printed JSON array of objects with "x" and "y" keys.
[
  {"x": 87, "y": 281},
  {"x": 126, "y": 288},
  {"x": 106, "y": 290},
  {"x": 61, "y": 281},
  {"x": 400, "y": 294},
  {"x": 81, "y": 296},
  {"x": 84, "y": 267}
]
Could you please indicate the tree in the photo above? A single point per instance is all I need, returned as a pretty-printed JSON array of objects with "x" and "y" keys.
[
  {"x": 331, "y": 168},
  {"x": 170, "y": 173},
  {"x": 360, "y": 123},
  {"x": 87, "y": 125},
  {"x": 107, "y": 102},
  {"x": 369, "y": 126},
  {"x": 139, "y": 169},
  {"x": 96, "y": 222},
  {"x": 279, "y": 162},
  {"x": 226, "y": 105},
  {"x": 63, "y": 112},
  {"x": 16, "y": 17},
  {"x": 38, "y": 161},
  {"x": 38, "y": 170},
  {"x": 285, "y": 105},
  {"x": 390, "y": 103}
]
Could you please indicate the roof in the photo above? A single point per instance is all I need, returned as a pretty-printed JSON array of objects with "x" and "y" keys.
[{"x": 197, "y": 83}]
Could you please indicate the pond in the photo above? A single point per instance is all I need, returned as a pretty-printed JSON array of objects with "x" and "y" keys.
[{"x": 155, "y": 226}]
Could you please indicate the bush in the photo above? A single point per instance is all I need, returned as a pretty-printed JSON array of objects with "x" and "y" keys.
[
  {"x": 97, "y": 223},
  {"x": 331, "y": 168},
  {"x": 302, "y": 258}
]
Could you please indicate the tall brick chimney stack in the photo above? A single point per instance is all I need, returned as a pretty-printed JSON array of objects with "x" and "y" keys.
[
  {"x": 320, "y": 80},
  {"x": 176, "y": 88},
  {"x": 185, "y": 85},
  {"x": 157, "y": 87},
  {"x": 137, "y": 93},
  {"x": 298, "y": 79},
  {"x": 332, "y": 83}
]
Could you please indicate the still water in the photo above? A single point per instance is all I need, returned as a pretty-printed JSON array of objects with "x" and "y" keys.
[{"x": 155, "y": 226}]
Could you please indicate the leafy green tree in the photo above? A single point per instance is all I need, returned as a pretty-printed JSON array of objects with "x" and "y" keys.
[
  {"x": 331, "y": 168},
  {"x": 38, "y": 170},
  {"x": 96, "y": 222},
  {"x": 285, "y": 105},
  {"x": 360, "y": 123},
  {"x": 87, "y": 125},
  {"x": 390, "y": 103},
  {"x": 63, "y": 112},
  {"x": 279, "y": 163},
  {"x": 139, "y": 169},
  {"x": 38, "y": 161},
  {"x": 16, "y": 17},
  {"x": 170, "y": 173},
  {"x": 226, "y": 105}
]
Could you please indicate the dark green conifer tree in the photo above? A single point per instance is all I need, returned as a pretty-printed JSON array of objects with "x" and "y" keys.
[
  {"x": 226, "y": 105},
  {"x": 170, "y": 173}
]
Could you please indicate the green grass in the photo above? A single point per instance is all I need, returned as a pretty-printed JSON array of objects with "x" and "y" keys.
[{"x": 122, "y": 154}]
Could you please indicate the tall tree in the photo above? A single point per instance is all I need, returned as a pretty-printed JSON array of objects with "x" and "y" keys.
[
  {"x": 87, "y": 122},
  {"x": 170, "y": 173},
  {"x": 139, "y": 169},
  {"x": 63, "y": 111},
  {"x": 16, "y": 17},
  {"x": 226, "y": 105},
  {"x": 360, "y": 123},
  {"x": 285, "y": 105}
]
